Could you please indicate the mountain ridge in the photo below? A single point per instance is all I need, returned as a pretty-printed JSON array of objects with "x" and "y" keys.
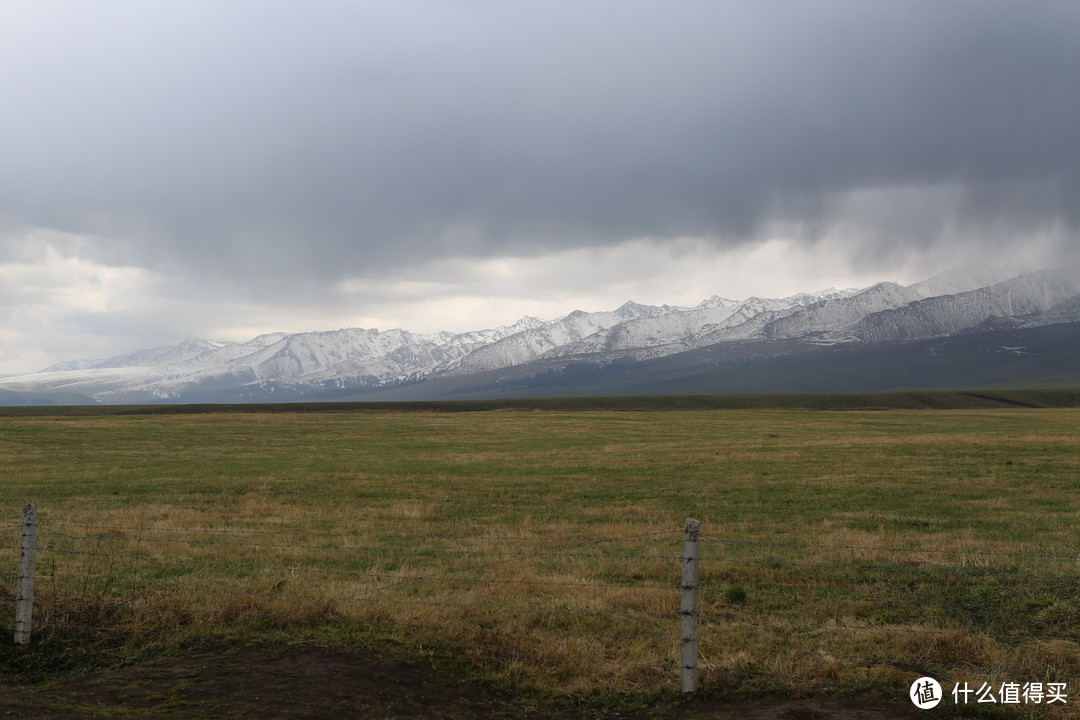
[{"x": 578, "y": 345}]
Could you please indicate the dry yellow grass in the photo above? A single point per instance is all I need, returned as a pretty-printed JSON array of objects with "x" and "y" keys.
[{"x": 870, "y": 548}]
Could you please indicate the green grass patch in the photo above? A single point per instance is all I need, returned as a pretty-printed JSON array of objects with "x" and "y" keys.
[{"x": 842, "y": 549}]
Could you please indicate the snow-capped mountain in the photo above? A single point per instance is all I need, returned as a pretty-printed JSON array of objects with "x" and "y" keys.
[
  {"x": 1066, "y": 312},
  {"x": 537, "y": 341},
  {"x": 839, "y": 312},
  {"x": 686, "y": 329},
  {"x": 1023, "y": 300},
  {"x": 159, "y": 356},
  {"x": 355, "y": 361}
]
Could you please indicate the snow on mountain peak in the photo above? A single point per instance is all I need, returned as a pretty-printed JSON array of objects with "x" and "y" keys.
[
  {"x": 268, "y": 339},
  {"x": 366, "y": 358},
  {"x": 836, "y": 312},
  {"x": 715, "y": 302}
]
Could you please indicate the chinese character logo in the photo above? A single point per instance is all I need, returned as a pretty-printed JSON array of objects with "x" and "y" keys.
[{"x": 925, "y": 693}]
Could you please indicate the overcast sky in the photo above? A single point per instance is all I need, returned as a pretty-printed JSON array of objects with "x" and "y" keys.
[{"x": 222, "y": 168}]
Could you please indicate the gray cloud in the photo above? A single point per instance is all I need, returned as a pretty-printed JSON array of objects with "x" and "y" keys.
[{"x": 315, "y": 141}]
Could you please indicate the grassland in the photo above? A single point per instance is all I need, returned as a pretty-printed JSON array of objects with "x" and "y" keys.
[{"x": 846, "y": 552}]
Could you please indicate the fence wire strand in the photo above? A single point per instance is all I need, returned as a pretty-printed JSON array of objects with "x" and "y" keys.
[
  {"x": 977, "y": 669},
  {"x": 487, "y": 653},
  {"x": 912, "y": 602},
  {"x": 889, "y": 629},
  {"x": 367, "y": 536},
  {"x": 403, "y": 578},
  {"x": 908, "y": 570},
  {"x": 354, "y": 548},
  {"x": 358, "y": 598},
  {"x": 796, "y": 546},
  {"x": 383, "y": 623}
]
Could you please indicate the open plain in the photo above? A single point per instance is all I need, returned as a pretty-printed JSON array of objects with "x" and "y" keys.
[{"x": 536, "y": 555}]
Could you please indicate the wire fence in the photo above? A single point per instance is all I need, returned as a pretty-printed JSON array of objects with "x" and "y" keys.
[
  {"x": 771, "y": 615},
  {"x": 535, "y": 600},
  {"x": 812, "y": 612}
]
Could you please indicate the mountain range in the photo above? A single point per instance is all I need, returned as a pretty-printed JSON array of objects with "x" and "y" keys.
[{"x": 971, "y": 327}]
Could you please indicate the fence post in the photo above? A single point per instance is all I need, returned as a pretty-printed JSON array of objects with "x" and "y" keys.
[
  {"x": 24, "y": 601},
  {"x": 688, "y": 611}
]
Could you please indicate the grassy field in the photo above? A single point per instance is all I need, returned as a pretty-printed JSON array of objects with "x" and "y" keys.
[{"x": 845, "y": 552}]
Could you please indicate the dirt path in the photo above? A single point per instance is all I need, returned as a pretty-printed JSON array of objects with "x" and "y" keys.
[{"x": 310, "y": 683}]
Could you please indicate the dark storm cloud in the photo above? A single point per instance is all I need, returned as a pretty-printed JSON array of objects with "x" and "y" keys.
[{"x": 328, "y": 139}]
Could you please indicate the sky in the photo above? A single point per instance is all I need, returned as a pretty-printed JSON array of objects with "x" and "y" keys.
[{"x": 217, "y": 169}]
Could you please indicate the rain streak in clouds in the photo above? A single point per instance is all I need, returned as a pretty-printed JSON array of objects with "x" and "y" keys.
[{"x": 232, "y": 167}]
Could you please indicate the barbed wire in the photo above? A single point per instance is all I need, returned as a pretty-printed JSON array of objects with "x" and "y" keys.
[
  {"x": 454, "y": 571},
  {"x": 298, "y": 603},
  {"x": 900, "y": 568},
  {"x": 909, "y": 601},
  {"x": 385, "y": 623},
  {"x": 398, "y": 580},
  {"x": 893, "y": 628},
  {"x": 748, "y": 543},
  {"x": 376, "y": 548},
  {"x": 978, "y": 669},
  {"x": 569, "y": 539},
  {"x": 403, "y": 578},
  {"x": 359, "y": 598},
  {"x": 364, "y": 596},
  {"x": 490, "y": 654},
  {"x": 48, "y": 625},
  {"x": 230, "y": 612},
  {"x": 829, "y": 571}
]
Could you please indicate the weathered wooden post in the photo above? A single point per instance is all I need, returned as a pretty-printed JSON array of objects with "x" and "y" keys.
[
  {"x": 24, "y": 600},
  {"x": 688, "y": 611}
]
